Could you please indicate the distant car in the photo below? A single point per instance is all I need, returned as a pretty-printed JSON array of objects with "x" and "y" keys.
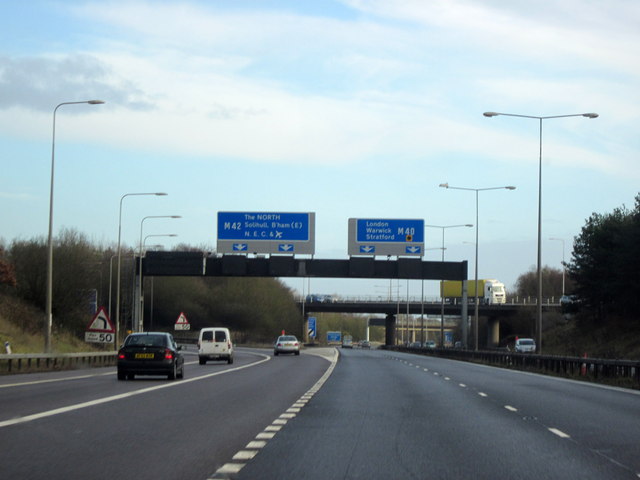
[
  {"x": 429, "y": 344},
  {"x": 150, "y": 353},
  {"x": 286, "y": 344},
  {"x": 525, "y": 345},
  {"x": 365, "y": 344}
]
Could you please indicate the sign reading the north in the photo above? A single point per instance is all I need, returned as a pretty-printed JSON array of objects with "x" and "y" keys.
[
  {"x": 397, "y": 237},
  {"x": 182, "y": 323},
  {"x": 100, "y": 329},
  {"x": 266, "y": 232}
]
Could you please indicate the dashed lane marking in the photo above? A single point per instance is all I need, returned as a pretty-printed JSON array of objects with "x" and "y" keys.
[
  {"x": 559, "y": 433},
  {"x": 241, "y": 458}
]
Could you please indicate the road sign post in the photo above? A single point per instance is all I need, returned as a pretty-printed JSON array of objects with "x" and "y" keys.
[{"x": 100, "y": 329}]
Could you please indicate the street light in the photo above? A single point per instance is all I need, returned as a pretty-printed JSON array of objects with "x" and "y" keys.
[
  {"x": 563, "y": 266},
  {"x": 539, "y": 267},
  {"x": 444, "y": 227},
  {"x": 160, "y": 194},
  {"x": 49, "y": 299},
  {"x": 139, "y": 304},
  {"x": 477, "y": 190}
]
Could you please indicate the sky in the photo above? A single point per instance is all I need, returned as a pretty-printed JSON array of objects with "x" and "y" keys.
[{"x": 348, "y": 109}]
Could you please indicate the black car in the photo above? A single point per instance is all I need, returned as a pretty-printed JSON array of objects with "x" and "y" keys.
[{"x": 150, "y": 353}]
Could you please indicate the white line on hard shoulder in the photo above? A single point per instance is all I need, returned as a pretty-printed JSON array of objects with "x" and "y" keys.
[{"x": 99, "y": 401}]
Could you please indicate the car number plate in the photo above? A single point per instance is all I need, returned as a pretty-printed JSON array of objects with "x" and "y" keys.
[{"x": 144, "y": 355}]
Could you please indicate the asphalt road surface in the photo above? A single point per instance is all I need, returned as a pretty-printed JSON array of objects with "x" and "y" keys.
[
  {"x": 385, "y": 415},
  {"x": 372, "y": 414}
]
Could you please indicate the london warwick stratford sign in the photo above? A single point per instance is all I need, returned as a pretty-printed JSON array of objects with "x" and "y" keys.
[{"x": 395, "y": 237}]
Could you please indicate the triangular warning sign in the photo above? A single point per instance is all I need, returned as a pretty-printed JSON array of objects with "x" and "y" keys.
[
  {"x": 101, "y": 323},
  {"x": 182, "y": 319}
]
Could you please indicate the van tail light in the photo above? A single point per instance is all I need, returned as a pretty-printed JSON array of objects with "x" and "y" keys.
[
  {"x": 168, "y": 354},
  {"x": 229, "y": 345}
]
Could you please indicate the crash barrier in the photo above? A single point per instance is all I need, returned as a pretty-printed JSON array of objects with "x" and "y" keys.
[
  {"x": 38, "y": 362},
  {"x": 625, "y": 372}
]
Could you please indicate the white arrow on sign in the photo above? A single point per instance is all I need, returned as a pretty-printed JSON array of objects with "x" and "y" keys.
[
  {"x": 240, "y": 246},
  {"x": 413, "y": 249},
  {"x": 367, "y": 249},
  {"x": 285, "y": 247}
]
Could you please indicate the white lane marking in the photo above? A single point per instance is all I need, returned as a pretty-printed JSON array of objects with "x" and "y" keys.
[
  {"x": 510, "y": 408},
  {"x": 270, "y": 431},
  {"x": 245, "y": 454},
  {"x": 99, "y": 401},
  {"x": 36, "y": 382},
  {"x": 559, "y": 433},
  {"x": 230, "y": 468},
  {"x": 462, "y": 385},
  {"x": 447, "y": 378},
  {"x": 256, "y": 444},
  {"x": 482, "y": 394},
  {"x": 426, "y": 369}
]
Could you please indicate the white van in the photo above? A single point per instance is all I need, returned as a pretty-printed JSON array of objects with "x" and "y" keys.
[{"x": 215, "y": 344}]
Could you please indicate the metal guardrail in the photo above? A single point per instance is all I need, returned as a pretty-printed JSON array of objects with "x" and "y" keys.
[
  {"x": 31, "y": 362},
  {"x": 595, "y": 369}
]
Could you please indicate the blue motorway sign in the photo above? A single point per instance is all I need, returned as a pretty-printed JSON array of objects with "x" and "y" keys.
[
  {"x": 385, "y": 231},
  {"x": 266, "y": 232},
  {"x": 398, "y": 237},
  {"x": 263, "y": 226}
]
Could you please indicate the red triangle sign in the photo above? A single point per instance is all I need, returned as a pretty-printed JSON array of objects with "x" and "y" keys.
[
  {"x": 101, "y": 323},
  {"x": 182, "y": 319}
]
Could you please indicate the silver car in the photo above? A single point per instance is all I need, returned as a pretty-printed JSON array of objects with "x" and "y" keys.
[
  {"x": 525, "y": 345},
  {"x": 286, "y": 344}
]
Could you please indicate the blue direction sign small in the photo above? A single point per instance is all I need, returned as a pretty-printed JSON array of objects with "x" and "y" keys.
[
  {"x": 266, "y": 232},
  {"x": 334, "y": 337},
  {"x": 312, "y": 327}
]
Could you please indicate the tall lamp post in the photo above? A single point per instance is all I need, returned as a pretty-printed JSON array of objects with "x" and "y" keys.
[
  {"x": 539, "y": 263},
  {"x": 563, "y": 266},
  {"x": 160, "y": 194},
  {"x": 49, "y": 299},
  {"x": 477, "y": 190},
  {"x": 444, "y": 227},
  {"x": 139, "y": 285}
]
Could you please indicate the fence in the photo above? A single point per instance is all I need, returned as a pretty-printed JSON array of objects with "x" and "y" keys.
[
  {"x": 31, "y": 362},
  {"x": 623, "y": 372}
]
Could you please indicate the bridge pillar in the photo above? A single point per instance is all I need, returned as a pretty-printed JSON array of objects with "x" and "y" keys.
[
  {"x": 493, "y": 332},
  {"x": 390, "y": 330}
]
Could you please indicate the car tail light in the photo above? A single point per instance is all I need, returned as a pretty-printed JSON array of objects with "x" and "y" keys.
[
  {"x": 121, "y": 356},
  {"x": 168, "y": 354}
]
